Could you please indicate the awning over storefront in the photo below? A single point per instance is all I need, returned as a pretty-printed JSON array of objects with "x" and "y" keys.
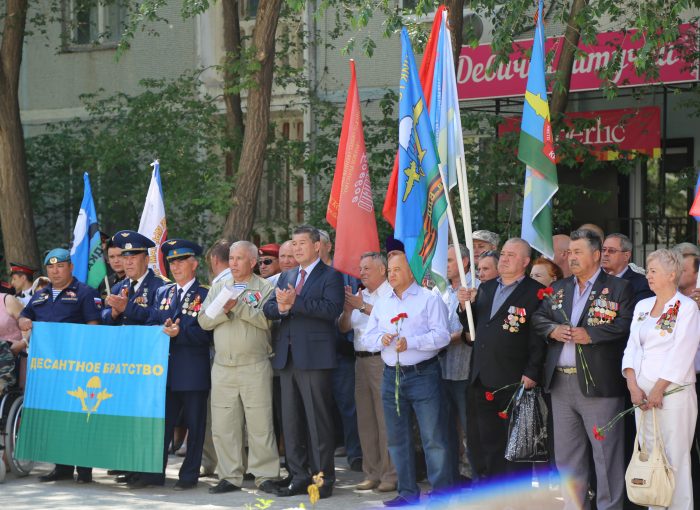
[
  {"x": 629, "y": 129},
  {"x": 475, "y": 81}
]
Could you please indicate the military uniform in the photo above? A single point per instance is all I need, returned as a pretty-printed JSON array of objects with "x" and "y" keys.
[
  {"x": 137, "y": 311},
  {"x": 188, "y": 381},
  {"x": 78, "y": 304},
  {"x": 141, "y": 296}
]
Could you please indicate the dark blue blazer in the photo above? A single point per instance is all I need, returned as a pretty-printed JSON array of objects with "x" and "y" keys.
[
  {"x": 188, "y": 365},
  {"x": 137, "y": 312},
  {"x": 310, "y": 326},
  {"x": 639, "y": 284}
]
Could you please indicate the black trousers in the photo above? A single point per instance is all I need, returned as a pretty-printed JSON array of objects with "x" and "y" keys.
[
  {"x": 65, "y": 469},
  {"x": 493, "y": 432},
  {"x": 193, "y": 406},
  {"x": 307, "y": 416}
]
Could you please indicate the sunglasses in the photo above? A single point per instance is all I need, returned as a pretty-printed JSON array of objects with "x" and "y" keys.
[{"x": 266, "y": 262}]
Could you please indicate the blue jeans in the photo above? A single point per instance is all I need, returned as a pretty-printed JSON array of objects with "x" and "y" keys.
[
  {"x": 420, "y": 391},
  {"x": 344, "y": 395}
]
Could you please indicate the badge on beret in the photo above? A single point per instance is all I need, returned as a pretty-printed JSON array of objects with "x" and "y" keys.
[
  {"x": 127, "y": 246},
  {"x": 53, "y": 260},
  {"x": 171, "y": 242}
]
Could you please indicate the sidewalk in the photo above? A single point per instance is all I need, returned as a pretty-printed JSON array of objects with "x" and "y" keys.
[{"x": 29, "y": 493}]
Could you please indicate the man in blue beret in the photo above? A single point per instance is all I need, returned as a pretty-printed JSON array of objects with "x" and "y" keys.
[
  {"x": 129, "y": 300},
  {"x": 64, "y": 300},
  {"x": 177, "y": 306}
]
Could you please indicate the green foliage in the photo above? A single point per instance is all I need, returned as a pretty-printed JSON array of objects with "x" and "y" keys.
[{"x": 168, "y": 120}]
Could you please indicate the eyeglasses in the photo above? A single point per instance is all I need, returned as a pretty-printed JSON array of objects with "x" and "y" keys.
[
  {"x": 613, "y": 251},
  {"x": 266, "y": 262}
]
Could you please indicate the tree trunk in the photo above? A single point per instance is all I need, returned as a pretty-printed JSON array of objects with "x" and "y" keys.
[
  {"x": 560, "y": 96},
  {"x": 18, "y": 234},
  {"x": 232, "y": 96},
  {"x": 250, "y": 168},
  {"x": 455, "y": 19}
]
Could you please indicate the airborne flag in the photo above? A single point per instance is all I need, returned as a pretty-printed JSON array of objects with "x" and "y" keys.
[
  {"x": 421, "y": 203},
  {"x": 536, "y": 150},
  {"x": 86, "y": 253}
]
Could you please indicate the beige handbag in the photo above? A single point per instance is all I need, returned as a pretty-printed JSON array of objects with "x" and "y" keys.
[{"x": 649, "y": 478}]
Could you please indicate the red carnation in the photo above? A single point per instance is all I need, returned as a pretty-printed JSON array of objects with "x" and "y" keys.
[
  {"x": 503, "y": 415},
  {"x": 547, "y": 291},
  {"x": 402, "y": 315},
  {"x": 395, "y": 320},
  {"x": 597, "y": 433},
  {"x": 489, "y": 396}
]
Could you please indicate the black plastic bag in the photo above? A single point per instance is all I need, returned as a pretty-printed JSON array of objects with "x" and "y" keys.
[{"x": 527, "y": 430}]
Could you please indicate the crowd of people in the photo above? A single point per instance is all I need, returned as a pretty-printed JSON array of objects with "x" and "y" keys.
[{"x": 304, "y": 363}]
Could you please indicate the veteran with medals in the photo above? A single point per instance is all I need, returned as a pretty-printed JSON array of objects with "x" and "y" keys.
[
  {"x": 506, "y": 352},
  {"x": 130, "y": 300},
  {"x": 177, "y": 307},
  {"x": 586, "y": 323}
]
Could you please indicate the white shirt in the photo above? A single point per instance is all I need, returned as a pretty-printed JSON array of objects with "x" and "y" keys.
[
  {"x": 425, "y": 328},
  {"x": 669, "y": 356},
  {"x": 359, "y": 320},
  {"x": 308, "y": 270},
  {"x": 138, "y": 282},
  {"x": 223, "y": 275},
  {"x": 185, "y": 287}
]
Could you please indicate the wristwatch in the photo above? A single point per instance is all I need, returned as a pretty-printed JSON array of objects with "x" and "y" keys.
[{"x": 363, "y": 308}]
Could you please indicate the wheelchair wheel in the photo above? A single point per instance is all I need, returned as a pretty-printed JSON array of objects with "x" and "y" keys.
[
  {"x": 14, "y": 418},
  {"x": 2, "y": 467}
]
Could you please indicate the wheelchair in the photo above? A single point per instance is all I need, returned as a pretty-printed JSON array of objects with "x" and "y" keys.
[{"x": 11, "y": 403}]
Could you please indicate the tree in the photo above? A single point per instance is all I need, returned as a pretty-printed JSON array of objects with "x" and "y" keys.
[{"x": 16, "y": 217}]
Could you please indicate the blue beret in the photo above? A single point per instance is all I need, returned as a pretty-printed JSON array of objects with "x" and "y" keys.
[
  {"x": 174, "y": 249},
  {"x": 132, "y": 242},
  {"x": 57, "y": 255}
]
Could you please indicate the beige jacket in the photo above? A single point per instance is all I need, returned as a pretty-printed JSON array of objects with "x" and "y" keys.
[{"x": 241, "y": 337}]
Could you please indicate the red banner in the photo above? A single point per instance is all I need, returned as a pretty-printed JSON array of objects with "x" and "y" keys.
[
  {"x": 350, "y": 207},
  {"x": 628, "y": 129},
  {"x": 474, "y": 81}
]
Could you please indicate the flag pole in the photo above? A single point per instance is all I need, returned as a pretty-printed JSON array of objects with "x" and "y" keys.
[
  {"x": 458, "y": 255},
  {"x": 463, "y": 189}
]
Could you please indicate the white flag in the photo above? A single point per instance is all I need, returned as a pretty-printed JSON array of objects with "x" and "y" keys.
[{"x": 152, "y": 223}]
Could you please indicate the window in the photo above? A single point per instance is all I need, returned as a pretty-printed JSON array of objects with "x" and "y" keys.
[
  {"x": 250, "y": 8},
  {"x": 94, "y": 23}
]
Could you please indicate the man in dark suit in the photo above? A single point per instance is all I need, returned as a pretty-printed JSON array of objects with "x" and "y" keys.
[
  {"x": 615, "y": 260},
  {"x": 307, "y": 301},
  {"x": 506, "y": 350},
  {"x": 586, "y": 324},
  {"x": 176, "y": 307}
]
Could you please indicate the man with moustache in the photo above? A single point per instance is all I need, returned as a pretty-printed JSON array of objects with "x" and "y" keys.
[
  {"x": 582, "y": 371},
  {"x": 307, "y": 302}
]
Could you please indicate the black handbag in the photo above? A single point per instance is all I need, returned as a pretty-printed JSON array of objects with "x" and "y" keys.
[{"x": 527, "y": 430}]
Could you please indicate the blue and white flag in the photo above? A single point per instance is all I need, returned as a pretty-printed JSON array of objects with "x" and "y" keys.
[{"x": 86, "y": 253}]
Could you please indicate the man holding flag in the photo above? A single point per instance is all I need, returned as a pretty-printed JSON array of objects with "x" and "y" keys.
[{"x": 86, "y": 254}]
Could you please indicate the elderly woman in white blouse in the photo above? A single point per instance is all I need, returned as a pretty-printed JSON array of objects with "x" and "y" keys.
[{"x": 660, "y": 355}]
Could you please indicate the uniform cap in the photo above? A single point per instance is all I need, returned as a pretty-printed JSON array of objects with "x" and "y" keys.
[
  {"x": 175, "y": 249},
  {"x": 57, "y": 255}
]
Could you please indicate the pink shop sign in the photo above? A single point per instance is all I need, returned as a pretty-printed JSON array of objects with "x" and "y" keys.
[{"x": 474, "y": 81}]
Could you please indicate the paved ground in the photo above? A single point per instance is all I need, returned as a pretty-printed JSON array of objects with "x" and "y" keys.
[{"x": 28, "y": 493}]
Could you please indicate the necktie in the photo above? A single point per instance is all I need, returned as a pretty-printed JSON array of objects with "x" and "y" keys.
[
  {"x": 179, "y": 297},
  {"x": 132, "y": 287},
  {"x": 299, "y": 286}
]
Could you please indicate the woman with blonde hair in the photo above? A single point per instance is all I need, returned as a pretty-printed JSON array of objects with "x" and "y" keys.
[{"x": 659, "y": 357}]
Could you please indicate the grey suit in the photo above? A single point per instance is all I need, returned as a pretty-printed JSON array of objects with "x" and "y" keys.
[{"x": 576, "y": 406}]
